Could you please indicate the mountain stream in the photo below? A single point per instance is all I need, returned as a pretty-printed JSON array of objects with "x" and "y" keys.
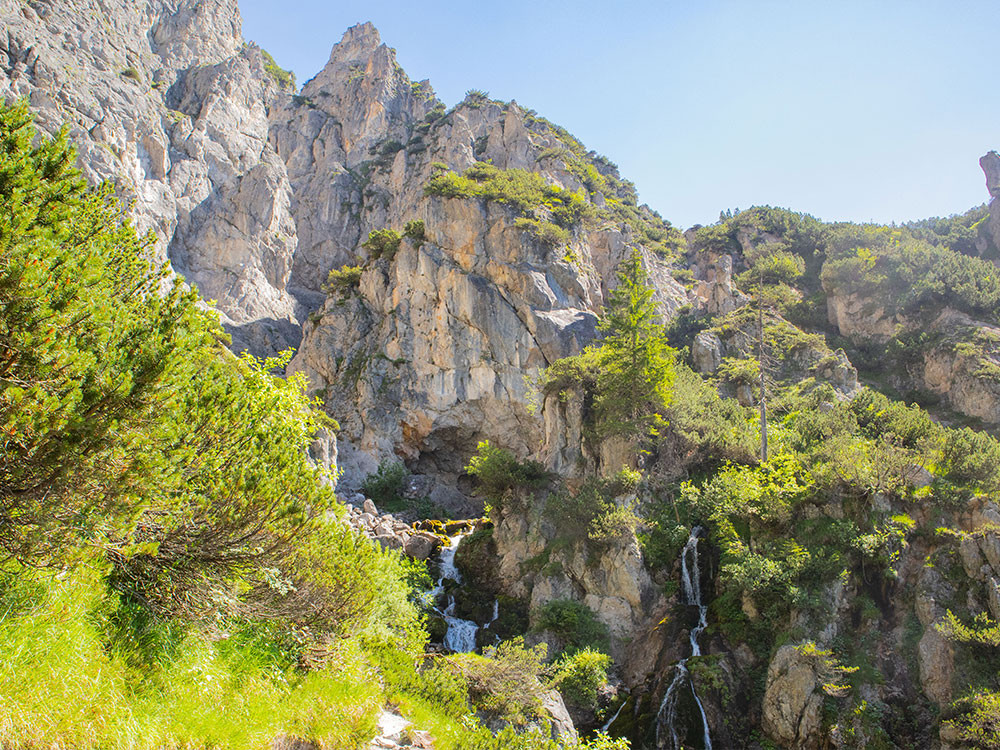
[{"x": 667, "y": 735}]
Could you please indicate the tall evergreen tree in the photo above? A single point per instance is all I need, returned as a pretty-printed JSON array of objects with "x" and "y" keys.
[{"x": 635, "y": 380}]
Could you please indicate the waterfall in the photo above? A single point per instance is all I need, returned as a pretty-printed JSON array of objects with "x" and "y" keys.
[
  {"x": 667, "y": 736},
  {"x": 461, "y": 634},
  {"x": 614, "y": 718}
]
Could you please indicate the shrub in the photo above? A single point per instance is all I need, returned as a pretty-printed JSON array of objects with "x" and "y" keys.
[
  {"x": 343, "y": 281},
  {"x": 415, "y": 231},
  {"x": 983, "y": 631},
  {"x": 383, "y": 243},
  {"x": 505, "y": 681},
  {"x": 476, "y": 98},
  {"x": 545, "y": 231},
  {"x": 972, "y": 458},
  {"x": 625, "y": 481},
  {"x": 284, "y": 78},
  {"x": 739, "y": 371},
  {"x": 132, "y": 73},
  {"x": 229, "y": 492},
  {"x": 499, "y": 471},
  {"x": 528, "y": 192},
  {"x": 580, "y": 675},
  {"x": 89, "y": 346},
  {"x": 978, "y": 720},
  {"x": 614, "y": 524},
  {"x": 385, "y": 486},
  {"x": 574, "y": 623}
]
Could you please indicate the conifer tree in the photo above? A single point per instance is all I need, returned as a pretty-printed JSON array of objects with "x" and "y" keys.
[{"x": 637, "y": 372}]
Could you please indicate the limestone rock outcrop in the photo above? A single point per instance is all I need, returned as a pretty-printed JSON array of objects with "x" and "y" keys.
[
  {"x": 793, "y": 702},
  {"x": 256, "y": 193},
  {"x": 990, "y": 164},
  {"x": 166, "y": 101}
]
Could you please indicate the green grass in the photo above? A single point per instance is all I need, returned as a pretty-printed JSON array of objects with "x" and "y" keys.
[{"x": 62, "y": 685}]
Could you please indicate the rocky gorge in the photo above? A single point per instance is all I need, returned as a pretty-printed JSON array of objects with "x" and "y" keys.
[{"x": 429, "y": 266}]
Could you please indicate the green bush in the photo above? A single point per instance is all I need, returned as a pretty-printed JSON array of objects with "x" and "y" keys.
[
  {"x": 284, "y": 78},
  {"x": 574, "y": 623},
  {"x": 614, "y": 524},
  {"x": 624, "y": 481},
  {"x": 528, "y": 192},
  {"x": 383, "y": 243},
  {"x": 545, "y": 231},
  {"x": 739, "y": 371},
  {"x": 978, "y": 720},
  {"x": 499, "y": 471},
  {"x": 504, "y": 683},
  {"x": 415, "y": 231},
  {"x": 91, "y": 351},
  {"x": 972, "y": 458},
  {"x": 344, "y": 281},
  {"x": 580, "y": 675},
  {"x": 385, "y": 486}
]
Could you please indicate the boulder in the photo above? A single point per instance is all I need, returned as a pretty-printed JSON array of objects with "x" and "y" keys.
[
  {"x": 421, "y": 545},
  {"x": 792, "y": 700},
  {"x": 706, "y": 352},
  {"x": 562, "y": 725},
  {"x": 936, "y": 660},
  {"x": 388, "y": 541}
]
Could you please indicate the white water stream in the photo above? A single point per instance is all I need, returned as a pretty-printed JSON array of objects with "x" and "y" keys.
[
  {"x": 667, "y": 736},
  {"x": 461, "y": 634}
]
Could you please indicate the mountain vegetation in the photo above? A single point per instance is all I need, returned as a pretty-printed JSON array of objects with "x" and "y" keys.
[
  {"x": 174, "y": 571},
  {"x": 472, "y": 443}
]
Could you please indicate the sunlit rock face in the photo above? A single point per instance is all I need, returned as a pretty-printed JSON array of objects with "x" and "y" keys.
[
  {"x": 254, "y": 194},
  {"x": 167, "y": 102}
]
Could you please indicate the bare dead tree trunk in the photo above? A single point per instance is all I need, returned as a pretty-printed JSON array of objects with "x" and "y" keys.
[{"x": 763, "y": 380}]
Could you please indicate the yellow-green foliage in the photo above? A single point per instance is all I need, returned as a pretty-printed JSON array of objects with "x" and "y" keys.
[
  {"x": 344, "y": 281},
  {"x": 526, "y": 191},
  {"x": 546, "y": 208},
  {"x": 284, "y": 78},
  {"x": 63, "y": 684},
  {"x": 978, "y": 722},
  {"x": 499, "y": 471},
  {"x": 383, "y": 243},
  {"x": 578, "y": 676},
  {"x": 545, "y": 231}
]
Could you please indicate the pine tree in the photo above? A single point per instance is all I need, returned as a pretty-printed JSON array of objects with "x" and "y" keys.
[
  {"x": 84, "y": 338},
  {"x": 636, "y": 373}
]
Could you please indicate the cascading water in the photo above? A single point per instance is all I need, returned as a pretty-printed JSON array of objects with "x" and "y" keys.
[
  {"x": 461, "y": 634},
  {"x": 667, "y": 736}
]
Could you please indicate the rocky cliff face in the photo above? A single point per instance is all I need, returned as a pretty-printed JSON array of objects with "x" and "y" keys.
[
  {"x": 165, "y": 100},
  {"x": 256, "y": 194}
]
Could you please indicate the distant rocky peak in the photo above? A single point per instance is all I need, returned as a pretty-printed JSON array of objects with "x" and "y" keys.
[
  {"x": 358, "y": 43},
  {"x": 363, "y": 88},
  {"x": 991, "y": 167}
]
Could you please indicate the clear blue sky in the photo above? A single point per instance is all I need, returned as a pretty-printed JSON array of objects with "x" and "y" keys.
[{"x": 873, "y": 110}]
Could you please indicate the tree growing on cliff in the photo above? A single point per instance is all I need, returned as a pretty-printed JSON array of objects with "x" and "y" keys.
[{"x": 636, "y": 365}]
